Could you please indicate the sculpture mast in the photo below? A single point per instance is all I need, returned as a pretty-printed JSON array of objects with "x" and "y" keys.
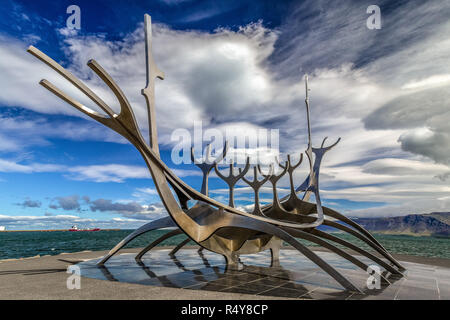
[
  {"x": 309, "y": 149},
  {"x": 148, "y": 92},
  {"x": 307, "y": 112}
]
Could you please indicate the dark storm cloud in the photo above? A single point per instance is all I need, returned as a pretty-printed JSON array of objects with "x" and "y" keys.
[
  {"x": 435, "y": 145},
  {"x": 30, "y": 204},
  {"x": 130, "y": 210},
  {"x": 444, "y": 176},
  {"x": 103, "y": 205},
  {"x": 66, "y": 203},
  {"x": 427, "y": 114},
  {"x": 413, "y": 110}
]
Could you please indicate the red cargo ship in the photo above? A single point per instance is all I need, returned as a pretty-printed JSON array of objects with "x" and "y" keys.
[{"x": 75, "y": 228}]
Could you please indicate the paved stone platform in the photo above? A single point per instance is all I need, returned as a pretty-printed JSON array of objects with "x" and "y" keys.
[{"x": 294, "y": 277}]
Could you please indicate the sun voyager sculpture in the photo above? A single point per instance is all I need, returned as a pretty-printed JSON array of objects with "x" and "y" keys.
[{"x": 212, "y": 225}]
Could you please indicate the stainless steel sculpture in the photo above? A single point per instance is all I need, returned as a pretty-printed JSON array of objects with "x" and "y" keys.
[{"x": 215, "y": 226}]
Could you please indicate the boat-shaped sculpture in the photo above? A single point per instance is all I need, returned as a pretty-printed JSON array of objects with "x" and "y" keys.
[{"x": 221, "y": 228}]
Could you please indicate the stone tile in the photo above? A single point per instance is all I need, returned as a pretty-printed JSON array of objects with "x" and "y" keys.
[
  {"x": 251, "y": 276},
  {"x": 281, "y": 292},
  {"x": 208, "y": 277},
  {"x": 150, "y": 282},
  {"x": 136, "y": 278},
  {"x": 302, "y": 289},
  {"x": 321, "y": 280},
  {"x": 239, "y": 290},
  {"x": 443, "y": 282},
  {"x": 327, "y": 294},
  {"x": 255, "y": 287},
  {"x": 443, "y": 273},
  {"x": 272, "y": 281},
  {"x": 444, "y": 291},
  {"x": 231, "y": 272},
  {"x": 263, "y": 270},
  {"x": 294, "y": 276},
  {"x": 412, "y": 284},
  {"x": 95, "y": 273},
  {"x": 356, "y": 296},
  {"x": 386, "y": 292},
  {"x": 229, "y": 282},
  {"x": 408, "y": 293},
  {"x": 420, "y": 276},
  {"x": 180, "y": 280},
  {"x": 207, "y": 287},
  {"x": 170, "y": 284},
  {"x": 209, "y": 270}
]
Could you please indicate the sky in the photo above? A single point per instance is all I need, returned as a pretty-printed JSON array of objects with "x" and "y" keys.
[{"x": 233, "y": 65}]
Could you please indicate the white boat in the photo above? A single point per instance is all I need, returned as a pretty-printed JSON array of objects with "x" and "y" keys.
[{"x": 2, "y": 228}]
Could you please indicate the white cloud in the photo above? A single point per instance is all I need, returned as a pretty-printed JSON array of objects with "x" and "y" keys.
[
  {"x": 107, "y": 172},
  {"x": 97, "y": 173},
  {"x": 402, "y": 167},
  {"x": 250, "y": 79},
  {"x": 433, "y": 81},
  {"x": 65, "y": 222},
  {"x": 149, "y": 191}
]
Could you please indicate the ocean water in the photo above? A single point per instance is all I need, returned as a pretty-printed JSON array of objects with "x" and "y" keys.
[{"x": 27, "y": 244}]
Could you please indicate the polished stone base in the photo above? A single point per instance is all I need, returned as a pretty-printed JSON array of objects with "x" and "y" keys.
[{"x": 294, "y": 277}]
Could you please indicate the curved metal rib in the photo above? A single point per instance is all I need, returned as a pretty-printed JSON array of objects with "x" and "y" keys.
[
  {"x": 358, "y": 232},
  {"x": 156, "y": 242},
  {"x": 355, "y": 248},
  {"x": 283, "y": 235},
  {"x": 315, "y": 238},
  {"x": 157, "y": 224},
  {"x": 179, "y": 246},
  {"x": 367, "y": 241},
  {"x": 71, "y": 78},
  {"x": 367, "y": 234},
  {"x": 342, "y": 227}
]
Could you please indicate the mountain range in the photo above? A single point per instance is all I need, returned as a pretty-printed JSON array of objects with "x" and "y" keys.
[{"x": 429, "y": 224}]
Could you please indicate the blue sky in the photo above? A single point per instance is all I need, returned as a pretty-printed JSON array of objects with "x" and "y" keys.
[{"x": 229, "y": 64}]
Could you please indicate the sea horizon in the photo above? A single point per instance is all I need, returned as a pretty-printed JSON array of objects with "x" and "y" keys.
[{"x": 16, "y": 244}]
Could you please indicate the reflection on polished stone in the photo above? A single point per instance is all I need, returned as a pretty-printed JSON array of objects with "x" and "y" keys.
[{"x": 295, "y": 277}]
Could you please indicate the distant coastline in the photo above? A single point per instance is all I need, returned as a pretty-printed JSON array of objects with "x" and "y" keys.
[{"x": 435, "y": 224}]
